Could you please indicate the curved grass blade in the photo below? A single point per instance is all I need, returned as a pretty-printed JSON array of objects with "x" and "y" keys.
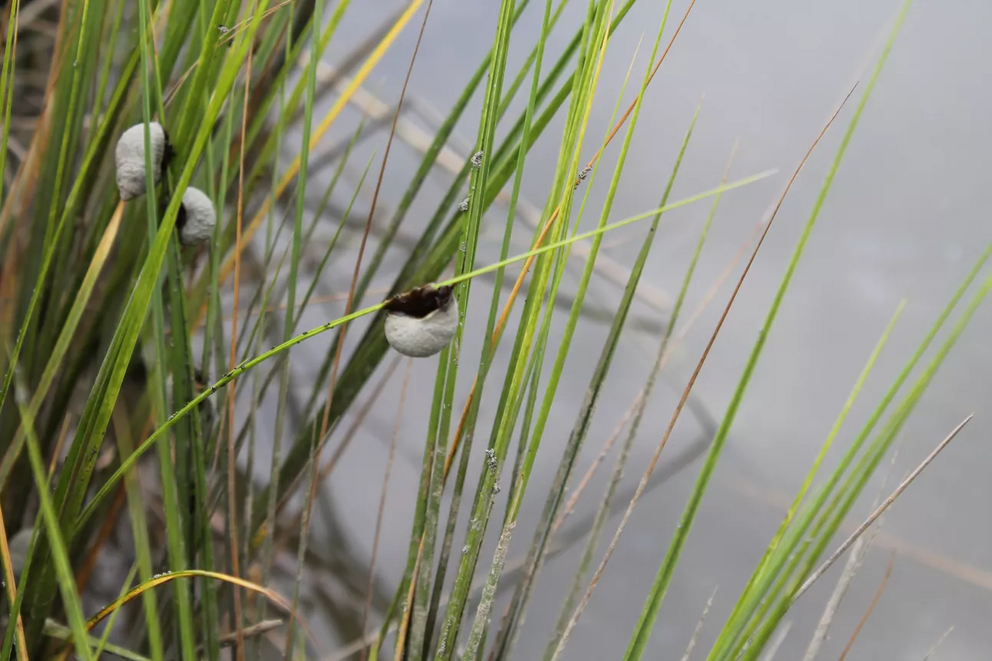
[{"x": 161, "y": 579}]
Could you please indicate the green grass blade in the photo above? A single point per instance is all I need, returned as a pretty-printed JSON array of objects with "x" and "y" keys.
[
  {"x": 125, "y": 586},
  {"x": 139, "y": 533},
  {"x": 59, "y": 552},
  {"x": 6, "y": 85}
]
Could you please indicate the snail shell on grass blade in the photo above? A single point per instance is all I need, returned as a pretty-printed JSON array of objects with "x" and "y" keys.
[
  {"x": 196, "y": 218},
  {"x": 130, "y": 158},
  {"x": 422, "y": 321},
  {"x": 18, "y": 546}
]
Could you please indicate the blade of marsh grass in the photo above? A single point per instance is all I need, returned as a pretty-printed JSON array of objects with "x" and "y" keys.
[
  {"x": 776, "y": 643},
  {"x": 301, "y": 163},
  {"x": 555, "y": 245},
  {"x": 198, "y": 88},
  {"x": 300, "y": 307},
  {"x": 279, "y": 89},
  {"x": 290, "y": 109},
  {"x": 232, "y": 521},
  {"x": 101, "y": 88},
  {"x": 81, "y": 185},
  {"x": 604, "y": 452},
  {"x": 73, "y": 82},
  {"x": 382, "y": 500},
  {"x": 482, "y": 162},
  {"x": 352, "y": 293},
  {"x": 102, "y": 643},
  {"x": 303, "y": 304},
  {"x": 247, "y": 365},
  {"x": 254, "y": 630},
  {"x": 69, "y": 116},
  {"x": 218, "y": 194},
  {"x": 580, "y": 429},
  {"x": 854, "y": 562},
  {"x": 467, "y": 416},
  {"x": 699, "y": 628},
  {"x": 65, "y": 339},
  {"x": 742, "y": 610},
  {"x": 871, "y": 607},
  {"x": 10, "y": 589},
  {"x": 44, "y": 239},
  {"x": 489, "y": 347},
  {"x": 328, "y": 119},
  {"x": 430, "y": 156},
  {"x": 829, "y": 517},
  {"x": 7, "y": 84},
  {"x": 161, "y": 579},
  {"x": 314, "y": 451},
  {"x": 55, "y": 630},
  {"x": 351, "y": 299},
  {"x": 566, "y": 537},
  {"x": 59, "y": 553},
  {"x": 938, "y": 643},
  {"x": 139, "y": 533}
]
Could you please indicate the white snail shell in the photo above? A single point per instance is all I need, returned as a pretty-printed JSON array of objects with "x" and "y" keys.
[
  {"x": 422, "y": 321},
  {"x": 18, "y": 546},
  {"x": 200, "y": 218},
  {"x": 130, "y": 158}
]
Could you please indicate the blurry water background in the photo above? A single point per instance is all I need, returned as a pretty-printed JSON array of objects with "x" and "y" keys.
[{"x": 907, "y": 217}]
